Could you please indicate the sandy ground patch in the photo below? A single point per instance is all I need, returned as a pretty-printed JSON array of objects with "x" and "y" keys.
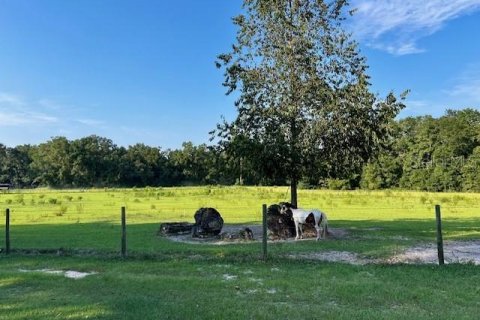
[
  {"x": 222, "y": 239},
  {"x": 71, "y": 274},
  {"x": 333, "y": 256},
  {"x": 257, "y": 230},
  {"x": 454, "y": 251}
]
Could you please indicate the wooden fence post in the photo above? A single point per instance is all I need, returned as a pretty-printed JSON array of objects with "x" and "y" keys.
[
  {"x": 264, "y": 242},
  {"x": 124, "y": 234},
  {"x": 441, "y": 259},
  {"x": 7, "y": 231}
]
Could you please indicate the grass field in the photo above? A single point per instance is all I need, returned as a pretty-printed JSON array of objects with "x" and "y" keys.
[
  {"x": 237, "y": 204},
  {"x": 162, "y": 279}
]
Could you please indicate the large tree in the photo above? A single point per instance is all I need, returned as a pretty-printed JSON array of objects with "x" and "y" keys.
[
  {"x": 51, "y": 163},
  {"x": 17, "y": 166},
  {"x": 303, "y": 94},
  {"x": 93, "y": 161}
]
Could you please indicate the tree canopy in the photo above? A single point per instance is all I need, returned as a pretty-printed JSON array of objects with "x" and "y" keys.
[{"x": 303, "y": 104}]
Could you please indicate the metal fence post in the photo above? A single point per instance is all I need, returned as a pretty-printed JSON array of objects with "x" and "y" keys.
[
  {"x": 124, "y": 234},
  {"x": 441, "y": 259},
  {"x": 7, "y": 231},
  {"x": 264, "y": 242}
]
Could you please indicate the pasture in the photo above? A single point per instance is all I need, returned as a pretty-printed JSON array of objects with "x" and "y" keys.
[{"x": 79, "y": 230}]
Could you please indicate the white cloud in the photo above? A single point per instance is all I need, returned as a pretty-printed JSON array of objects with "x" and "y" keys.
[
  {"x": 91, "y": 122},
  {"x": 398, "y": 48},
  {"x": 33, "y": 120},
  {"x": 18, "y": 111},
  {"x": 417, "y": 104},
  {"x": 23, "y": 118},
  {"x": 417, "y": 107},
  {"x": 470, "y": 89},
  {"x": 396, "y": 25},
  {"x": 11, "y": 119},
  {"x": 11, "y": 99},
  {"x": 50, "y": 104},
  {"x": 467, "y": 86},
  {"x": 15, "y": 111}
]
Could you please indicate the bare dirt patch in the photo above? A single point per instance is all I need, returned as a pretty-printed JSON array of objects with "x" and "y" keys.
[
  {"x": 454, "y": 252},
  {"x": 230, "y": 234},
  {"x": 333, "y": 256}
]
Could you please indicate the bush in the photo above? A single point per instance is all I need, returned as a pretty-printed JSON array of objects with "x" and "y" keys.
[
  {"x": 61, "y": 211},
  {"x": 423, "y": 199},
  {"x": 371, "y": 178},
  {"x": 305, "y": 185},
  {"x": 338, "y": 184},
  {"x": 19, "y": 199}
]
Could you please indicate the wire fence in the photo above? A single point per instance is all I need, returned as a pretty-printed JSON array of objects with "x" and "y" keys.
[{"x": 91, "y": 220}]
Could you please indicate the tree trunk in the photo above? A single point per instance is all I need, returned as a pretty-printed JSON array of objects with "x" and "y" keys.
[
  {"x": 293, "y": 192},
  {"x": 294, "y": 174}
]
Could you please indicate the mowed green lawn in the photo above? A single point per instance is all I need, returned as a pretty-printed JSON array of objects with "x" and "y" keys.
[{"x": 162, "y": 279}]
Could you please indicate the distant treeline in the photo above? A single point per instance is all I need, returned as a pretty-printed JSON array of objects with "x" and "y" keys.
[
  {"x": 430, "y": 154},
  {"x": 425, "y": 153}
]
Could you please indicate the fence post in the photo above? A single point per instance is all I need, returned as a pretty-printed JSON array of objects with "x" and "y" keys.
[
  {"x": 441, "y": 259},
  {"x": 7, "y": 231},
  {"x": 124, "y": 234},
  {"x": 264, "y": 242}
]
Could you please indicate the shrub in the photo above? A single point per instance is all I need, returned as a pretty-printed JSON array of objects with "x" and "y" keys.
[
  {"x": 445, "y": 199},
  {"x": 19, "y": 199},
  {"x": 423, "y": 199},
  {"x": 338, "y": 184},
  {"x": 61, "y": 211},
  {"x": 79, "y": 208}
]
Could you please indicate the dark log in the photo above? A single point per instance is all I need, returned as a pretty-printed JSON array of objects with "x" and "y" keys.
[
  {"x": 208, "y": 222},
  {"x": 280, "y": 226},
  {"x": 245, "y": 234},
  {"x": 175, "y": 228}
]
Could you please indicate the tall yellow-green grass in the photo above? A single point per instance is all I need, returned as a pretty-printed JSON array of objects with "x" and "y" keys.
[{"x": 236, "y": 204}]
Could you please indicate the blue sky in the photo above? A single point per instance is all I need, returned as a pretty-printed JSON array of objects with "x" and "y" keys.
[{"x": 143, "y": 71}]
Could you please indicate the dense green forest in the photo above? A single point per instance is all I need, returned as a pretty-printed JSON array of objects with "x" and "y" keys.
[{"x": 424, "y": 153}]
